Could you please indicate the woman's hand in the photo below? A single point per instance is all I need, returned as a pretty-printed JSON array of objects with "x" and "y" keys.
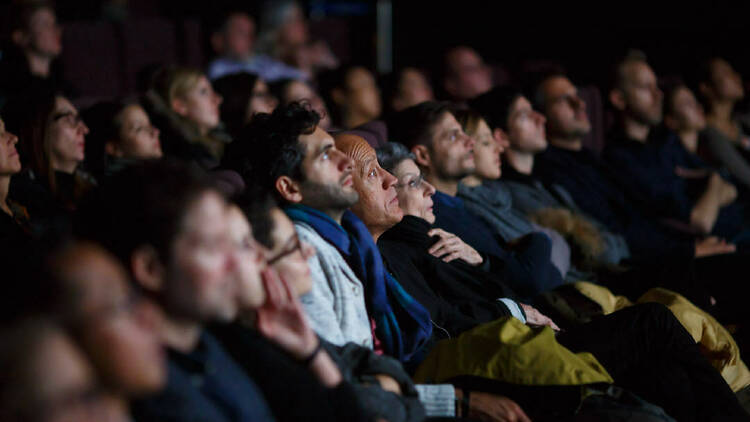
[
  {"x": 282, "y": 320},
  {"x": 451, "y": 247}
]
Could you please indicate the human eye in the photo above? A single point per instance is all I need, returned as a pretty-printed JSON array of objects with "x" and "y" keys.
[
  {"x": 372, "y": 173},
  {"x": 325, "y": 156}
]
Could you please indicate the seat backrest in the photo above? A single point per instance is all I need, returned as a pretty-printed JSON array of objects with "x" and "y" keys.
[
  {"x": 91, "y": 59},
  {"x": 146, "y": 41}
]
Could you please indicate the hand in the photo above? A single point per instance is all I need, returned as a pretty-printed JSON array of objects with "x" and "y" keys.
[
  {"x": 281, "y": 318},
  {"x": 713, "y": 246},
  {"x": 493, "y": 408},
  {"x": 536, "y": 318},
  {"x": 387, "y": 383},
  {"x": 451, "y": 247}
]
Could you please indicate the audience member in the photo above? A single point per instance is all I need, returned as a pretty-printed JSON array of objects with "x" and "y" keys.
[
  {"x": 405, "y": 88},
  {"x": 185, "y": 108},
  {"x": 646, "y": 159},
  {"x": 352, "y": 95},
  {"x": 234, "y": 44},
  {"x": 120, "y": 134},
  {"x": 725, "y": 141},
  {"x": 291, "y": 90},
  {"x": 285, "y": 36},
  {"x": 465, "y": 75},
  {"x": 244, "y": 94},
  {"x": 29, "y": 65},
  {"x": 169, "y": 226}
]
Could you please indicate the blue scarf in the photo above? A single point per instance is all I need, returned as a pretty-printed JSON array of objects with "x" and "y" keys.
[{"x": 403, "y": 325}]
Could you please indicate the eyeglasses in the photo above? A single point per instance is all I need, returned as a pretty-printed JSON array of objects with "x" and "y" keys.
[
  {"x": 70, "y": 118},
  {"x": 295, "y": 246},
  {"x": 411, "y": 184}
]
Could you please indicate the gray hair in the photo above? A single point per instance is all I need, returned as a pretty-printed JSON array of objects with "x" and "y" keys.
[{"x": 391, "y": 155}]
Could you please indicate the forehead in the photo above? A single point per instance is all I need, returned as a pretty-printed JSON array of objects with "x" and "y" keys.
[
  {"x": 206, "y": 213},
  {"x": 445, "y": 122},
  {"x": 239, "y": 21},
  {"x": 63, "y": 105},
  {"x": 638, "y": 71},
  {"x": 558, "y": 86},
  {"x": 314, "y": 141},
  {"x": 405, "y": 167}
]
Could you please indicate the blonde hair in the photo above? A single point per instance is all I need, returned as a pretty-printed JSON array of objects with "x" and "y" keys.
[
  {"x": 175, "y": 82},
  {"x": 469, "y": 120}
]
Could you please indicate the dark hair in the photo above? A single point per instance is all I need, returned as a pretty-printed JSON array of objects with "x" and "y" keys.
[
  {"x": 390, "y": 85},
  {"x": 22, "y": 11},
  {"x": 278, "y": 88},
  {"x": 391, "y": 155},
  {"x": 237, "y": 90},
  {"x": 617, "y": 78},
  {"x": 494, "y": 106},
  {"x": 670, "y": 91},
  {"x": 269, "y": 146},
  {"x": 142, "y": 205},
  {"x": 257, "y": 204},
  {"x": 330, "y": 80},
  {"x": 28, "y": 118},
  {"x": 104, "y": 120},
  {"x": 413, "y": 126}
]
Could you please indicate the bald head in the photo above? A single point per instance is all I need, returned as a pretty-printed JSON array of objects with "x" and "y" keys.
[
  {"x": 378, "y": 205},
  {"x": 636, "y": 92}
]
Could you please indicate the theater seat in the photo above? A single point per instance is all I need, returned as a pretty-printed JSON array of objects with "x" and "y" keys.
[
  {"x": 91, "y": 59},
  {"x": 146, "y": 41}
]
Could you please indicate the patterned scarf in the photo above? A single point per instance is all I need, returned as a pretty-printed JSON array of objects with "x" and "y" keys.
[{"x": 402, "y": 324}]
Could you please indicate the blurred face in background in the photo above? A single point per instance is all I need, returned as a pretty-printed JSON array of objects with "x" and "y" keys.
[
  {"x": 200, "y": 104},
  {"x": 10, "y": 162},
  {"x": 468, "y": 75},
  {"x": 487, "y": 152},
  {"x": 261, "y": 100},
  {"x": 237, "y": 38},
  {"x": 65, "y": 136},
  {"x": 413, "y": 88},
  {"x": 250, "y": 261},
  {"x": 298, "y": 91},
  {"x": 138, "y": 138},
  {"x": 289, "y": 255},
  {"x": 116, "y": 329},
  {"x": 43, "y": 35},
  {"x": 686, "y": 112},
  {"x": 726, "y": 83}
]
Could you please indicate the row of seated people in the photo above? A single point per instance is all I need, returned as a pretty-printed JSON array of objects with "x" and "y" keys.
[{"x": 413, "y": 252}]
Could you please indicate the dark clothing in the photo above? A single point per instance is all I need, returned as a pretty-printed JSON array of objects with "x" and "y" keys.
[
  {"x": 527, "y": 267},
  {"x": 651, "y": 169},
  {"x": 646, "y": 350},
  {"x": 204, "y": 385},
  {"x": 457, "y": 295},
  {"x": 601, "y": 194},
  {"x": 292, "y": 391}
]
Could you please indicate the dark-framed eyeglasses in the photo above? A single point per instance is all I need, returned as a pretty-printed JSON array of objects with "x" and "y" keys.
[{"x": 294, "y": 245}]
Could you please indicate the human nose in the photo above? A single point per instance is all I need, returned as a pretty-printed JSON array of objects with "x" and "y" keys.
[
  {"x": 468, "y": 141},
  {"x": 429, "y": 189},
  {"x": 389, "y": 180},
  {"x": 345, "y": 163}
]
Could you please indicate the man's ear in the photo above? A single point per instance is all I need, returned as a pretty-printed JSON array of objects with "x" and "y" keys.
[
  {"x": 500, "y": 137},
  {"x": 112, "y": 149},
  {"x": 421, "y": 155},
  {"x": 617, "y": 98},
  {"x": 288, "y": 188},
  {"x": 147, "y": 269},
  {"x": 179, "y": 106}
]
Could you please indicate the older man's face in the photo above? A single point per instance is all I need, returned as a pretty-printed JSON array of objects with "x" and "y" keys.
[
  {"x": 564, "y": 109},
  {"x": 378, "y": 205}
]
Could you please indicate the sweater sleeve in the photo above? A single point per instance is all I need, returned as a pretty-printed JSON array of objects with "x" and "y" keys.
[{"x": 724, "y": 153}]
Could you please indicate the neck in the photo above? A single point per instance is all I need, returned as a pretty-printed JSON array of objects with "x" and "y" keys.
[
  {"x": 689, "y": 140},
  {"x": 39, "y": 64},
  {"x": 522, "y": 162},
  {"x": 65, "y": 166},
  {"x": 180, "y": 335},
  {"x": 572, "y": 144},
  {"x": 4, "y": 186},
  {"x": 636, "y": 130},
  {"x": 721, "y": 112},
  {"x": 334, "y": 214},
  {"x": 448, "y": 187},
  {"x": 472, "y": 181},
  {"x": 376, "y": 232}
]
